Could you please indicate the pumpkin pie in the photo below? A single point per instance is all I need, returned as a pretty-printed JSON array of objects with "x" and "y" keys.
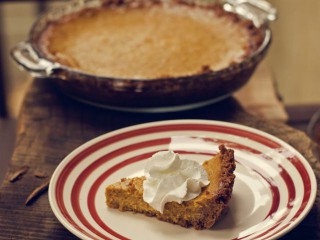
[
  {"x": 149, "y": 39},
  {"x": 201, "y": 212}
]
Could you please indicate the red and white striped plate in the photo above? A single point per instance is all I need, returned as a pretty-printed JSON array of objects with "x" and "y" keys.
[{"x": 274, "y": 189}]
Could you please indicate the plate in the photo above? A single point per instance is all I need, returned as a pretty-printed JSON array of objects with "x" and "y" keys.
[{"x": 275, "y": 187}]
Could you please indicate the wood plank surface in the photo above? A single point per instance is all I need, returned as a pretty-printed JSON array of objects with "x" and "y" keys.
[
  {"x": 52, "y": 125},
  {"x": 260, "y": 96}
]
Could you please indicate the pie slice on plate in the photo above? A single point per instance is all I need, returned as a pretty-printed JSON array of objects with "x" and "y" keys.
[{"x": 201, "y": 212}]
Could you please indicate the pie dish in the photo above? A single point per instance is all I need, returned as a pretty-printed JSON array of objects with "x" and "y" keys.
[
  {"x": 200, "y": 54},
  {"x": 274, "y": 190},
  {"x": 201, "y": 212}
]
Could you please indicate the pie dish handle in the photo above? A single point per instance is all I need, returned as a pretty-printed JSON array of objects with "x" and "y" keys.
[
  {"x": 260, "y": 12},
  {"x": 27, "y": 58}
]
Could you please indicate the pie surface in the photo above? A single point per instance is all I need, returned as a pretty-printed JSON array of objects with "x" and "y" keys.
[{"x": 147, "y": 42}]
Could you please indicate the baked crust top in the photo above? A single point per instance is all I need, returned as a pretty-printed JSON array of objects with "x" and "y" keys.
[{"x": 149, "y": 41}]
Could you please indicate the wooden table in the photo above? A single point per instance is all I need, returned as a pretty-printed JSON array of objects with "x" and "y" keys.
[{"x": 51, "y": 125}]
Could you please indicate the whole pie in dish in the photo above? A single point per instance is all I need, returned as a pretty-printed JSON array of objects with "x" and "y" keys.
[
  {"x": 201, "y": 212},
  {"x": 149, "y": 39}
]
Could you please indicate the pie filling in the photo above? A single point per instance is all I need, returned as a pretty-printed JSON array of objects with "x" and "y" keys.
[{"x": 147, "y": 42}]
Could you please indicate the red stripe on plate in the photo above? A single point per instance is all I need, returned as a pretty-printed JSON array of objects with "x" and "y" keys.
[
  {"x": 274, "y": 191},
  {"x": 291, "y": 197},
  {"x": 306, "y": 183},
  {"x": 307, "y": 191}
]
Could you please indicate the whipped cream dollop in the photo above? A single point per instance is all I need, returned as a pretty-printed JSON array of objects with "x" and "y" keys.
[{"x": 169, "y": 178}]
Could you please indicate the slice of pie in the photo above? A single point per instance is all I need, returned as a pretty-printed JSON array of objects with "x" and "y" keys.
[{"x": 201, "y": 212}]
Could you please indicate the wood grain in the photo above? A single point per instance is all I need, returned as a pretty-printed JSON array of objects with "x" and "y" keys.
[
  {"x": 51, "y": 125},
  {"x": 260, "y": 96}
]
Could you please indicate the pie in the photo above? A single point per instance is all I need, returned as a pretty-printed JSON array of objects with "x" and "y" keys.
[
  {"x": 201, "y": 212},
  {"x": 149, "y": 39}
]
